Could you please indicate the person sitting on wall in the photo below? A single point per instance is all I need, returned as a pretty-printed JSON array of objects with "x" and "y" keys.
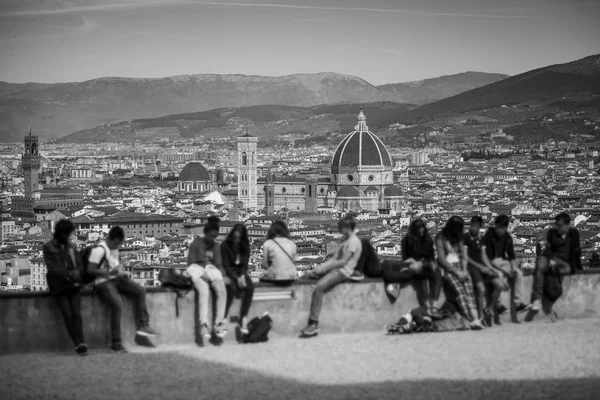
[
  {"x": 500, "y": 251},
  {"x": 561, "y": 254},
  {"x": 336, "y": 270},
  {"x": 483, "y": 274},
  {"x": 112, "y": 281},
  {"x": 205, "y": 268},
  {"x": 419, "y": 256},
  {"x": 235, "y": 251},
  {"x": 64, "y": 266},
  {"x": 279, "y": 255},
  {"x": 452, "y": 258}
]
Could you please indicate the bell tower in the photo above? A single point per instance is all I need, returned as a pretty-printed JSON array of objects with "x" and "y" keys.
[
  {"x": 269, "y": 194},
  {"x": 310, "y": 194},
  {"x": 247, "y": 174},
  {"x": 31, "y": 163}
]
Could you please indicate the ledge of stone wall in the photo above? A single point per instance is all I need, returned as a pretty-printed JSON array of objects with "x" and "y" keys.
[{"x": 31, "y": 321}]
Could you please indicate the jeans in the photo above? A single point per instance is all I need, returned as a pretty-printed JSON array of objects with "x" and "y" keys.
[
  {"x": 516, "y": 283},
  {"x": 110, "y": 291},
  {"x": 201, "y": 278},
  {"x": 69, "y": 303},
  {"x": 246, "y": 295},
  {"x": 542, "y": 268},
  {"x": 332, "y": 278},
  {"x": 428, "y": 283}
]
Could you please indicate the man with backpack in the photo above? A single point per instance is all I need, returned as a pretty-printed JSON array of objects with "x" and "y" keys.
[
  {"x": 64, "y": 266},
  {"x": 561, "y": 256},
  {"x": 111, "y": 281},
  {"x": 500, "y": 251},
  {"x": 336, "y": 270}
]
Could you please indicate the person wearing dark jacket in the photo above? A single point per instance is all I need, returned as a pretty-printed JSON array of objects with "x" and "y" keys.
[
  {"x": 64, "y": 266},
  {"x": 500, "y": 251},
  {"x": 418, "y": 253},
  {"x": 562, "y": 254},
  {"x": 235, "y": 253}
]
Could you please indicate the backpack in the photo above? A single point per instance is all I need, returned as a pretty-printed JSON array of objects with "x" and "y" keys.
[
  {"x": 258, "y": 329},
  {"x": 86, "y": 277},
  {"x": 553, "y": 286},
  {"x": 368, "y": 263},
  {"x": 181, "y": 284}
]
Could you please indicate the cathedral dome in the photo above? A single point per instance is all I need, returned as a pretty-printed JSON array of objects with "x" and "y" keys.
[
  {"x": 360, "y": 148},
  {"x": 194, "y": 172}
]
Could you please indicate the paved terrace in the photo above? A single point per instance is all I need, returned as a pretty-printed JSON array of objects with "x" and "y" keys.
[{"x": 538, "y": 360}]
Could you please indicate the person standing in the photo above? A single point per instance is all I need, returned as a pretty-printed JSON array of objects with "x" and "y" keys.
[
  {"x": 111, "y": 281},
  {"x": 562, "y": 255},
  {"x": 483, "y": 274},
  {"x": 205, "y": 268},
  {"x": 452, "y": 258},
  {"x": 418, "y": 252},
  {"x": 336, "y": 270},
  {"x": 64, "y": 266},
  {"x": 235, "y": 251},
  {"x": 500, "y": 251}
]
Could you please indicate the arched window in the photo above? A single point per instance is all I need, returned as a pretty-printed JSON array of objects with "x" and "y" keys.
[
  {"x": 244, "y": 159},
  {"x": 309, "y": 190}
]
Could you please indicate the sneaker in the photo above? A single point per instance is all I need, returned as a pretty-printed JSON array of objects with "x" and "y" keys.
[
  {"x": 118, "y": 348},
  {"x": 312, "y": 329},
  {"x": 521, "y": 307},
  {"x": 244, "y": 326},
  {"x": 144, "y": 341},
  {"x": 221, "y": 329},
  {"x": 476, "y": 325},
  {"x": 82, "y": 349},
  {"x": 536, "y": 305},
  {"x": 357, "y": 276},
  {"x": 146, "y": 331},
  {"x": 501, "y": 309},
  {"x": 488, "y": 317},
  {"x": 204, "y": 331}
]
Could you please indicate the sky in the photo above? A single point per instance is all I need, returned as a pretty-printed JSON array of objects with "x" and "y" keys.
[{"x": 381, "y": 41}]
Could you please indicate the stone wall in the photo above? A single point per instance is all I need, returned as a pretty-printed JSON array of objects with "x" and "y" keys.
[{"x": 31, "y": 321}]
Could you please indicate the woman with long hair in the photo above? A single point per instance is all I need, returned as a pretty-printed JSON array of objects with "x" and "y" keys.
[
  {"x": 279, "y": 254},
  {"x": 235, "y": 251},
  {"x": 418, "y": 253},
  {"x": 452, "y": 258}
]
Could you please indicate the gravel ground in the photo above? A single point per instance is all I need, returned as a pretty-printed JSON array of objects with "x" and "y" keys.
[{"x": 531, "y": 361}]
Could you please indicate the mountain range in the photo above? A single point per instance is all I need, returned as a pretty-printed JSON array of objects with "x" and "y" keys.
[{"x": 55, "y": 110}]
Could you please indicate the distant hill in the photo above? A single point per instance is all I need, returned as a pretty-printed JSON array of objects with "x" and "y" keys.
[
  {"x": 57, "y": 109},
  {"x": 267, "y": 121},
  {"x": 429, "y": 90},
  {"x": 571, "y": 85}
]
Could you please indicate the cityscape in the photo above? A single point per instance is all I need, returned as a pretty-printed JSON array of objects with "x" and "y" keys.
[
  {"x": 163, "y": 192},
  {"x": 299, "y": 199}
]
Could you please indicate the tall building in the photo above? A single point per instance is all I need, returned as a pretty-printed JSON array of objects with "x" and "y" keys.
[
  {"x": 269, "y": 194},
  {"x": 31, "y": 163},
  {"x": 247, "y": 175},
  {"x": 35, "y": 203}
]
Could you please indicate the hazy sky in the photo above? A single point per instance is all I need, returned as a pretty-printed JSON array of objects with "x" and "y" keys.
[{"x": 381, "y": 41}]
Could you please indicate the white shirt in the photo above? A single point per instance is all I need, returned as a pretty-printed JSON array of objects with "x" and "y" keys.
[{"x": 112, "y": 260}]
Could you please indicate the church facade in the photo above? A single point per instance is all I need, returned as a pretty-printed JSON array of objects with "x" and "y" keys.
[{"x": 361, "y": 178}]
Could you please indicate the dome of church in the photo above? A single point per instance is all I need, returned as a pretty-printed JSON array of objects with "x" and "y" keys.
[
  {"x": 194, "y": 172},
  {"x": 360, "y": 148}
]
